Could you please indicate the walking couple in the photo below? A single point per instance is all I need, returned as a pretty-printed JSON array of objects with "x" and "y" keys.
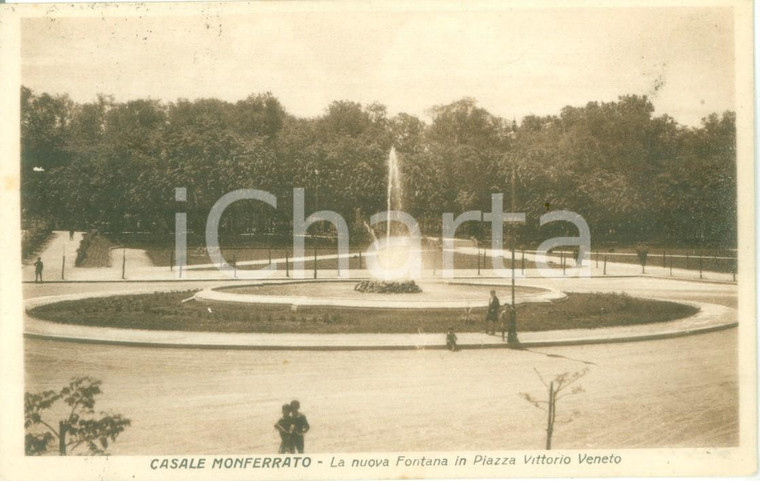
[
  {"x": 292, "y": 426},
  {"x": 506, "y": 316}
]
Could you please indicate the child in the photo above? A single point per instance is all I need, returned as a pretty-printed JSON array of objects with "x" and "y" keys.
[
  {"x": 451, "y": 340},
  {"x": 285, "y": 428}
]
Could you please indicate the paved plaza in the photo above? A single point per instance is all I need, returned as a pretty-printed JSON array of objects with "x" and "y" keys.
[{"x": 637, "y": 394}]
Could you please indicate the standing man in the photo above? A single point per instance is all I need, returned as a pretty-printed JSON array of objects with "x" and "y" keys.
[
  {"x": 300, "y": 426},
  {"x": 493, "y": 313},
  {"x": 285, "y": 427},
  {"x": 38, "y": 270}
]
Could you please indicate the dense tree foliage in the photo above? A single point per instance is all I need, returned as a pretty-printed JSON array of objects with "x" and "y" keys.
[{"x": 634, "y": 176}]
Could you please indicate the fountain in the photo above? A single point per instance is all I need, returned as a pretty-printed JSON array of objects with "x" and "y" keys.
[
  {"x": 395, "y": 190},
  {"x": 398, "y": 295},
  {"x": 397, "y": 248}
]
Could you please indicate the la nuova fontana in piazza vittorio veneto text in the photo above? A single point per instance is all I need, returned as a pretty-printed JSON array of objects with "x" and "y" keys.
[{"x": 306, "y": 462}]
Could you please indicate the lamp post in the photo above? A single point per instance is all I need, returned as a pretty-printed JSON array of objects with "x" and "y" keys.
[
  {"x": 316, "y": 209},
  {"x": 512, "y": 326},
  {"x": 316, "y": 203},
  {"x": 512, "y": 233}
]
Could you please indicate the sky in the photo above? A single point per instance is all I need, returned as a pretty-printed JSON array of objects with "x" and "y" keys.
[{"x": 513, "y": 61}]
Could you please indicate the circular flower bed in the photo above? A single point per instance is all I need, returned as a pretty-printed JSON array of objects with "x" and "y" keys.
[{"x": 388, "y": 287}]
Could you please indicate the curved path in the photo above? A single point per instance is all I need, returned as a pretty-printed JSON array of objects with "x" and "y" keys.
[{"x": 710, "y": 317}]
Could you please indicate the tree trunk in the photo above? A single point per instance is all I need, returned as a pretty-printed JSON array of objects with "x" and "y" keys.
[
  {"x": 62, "y": 438},
  {"x": 550, "y": 417}
]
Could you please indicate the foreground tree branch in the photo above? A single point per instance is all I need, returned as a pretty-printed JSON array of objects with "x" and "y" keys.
[
  {"x": 555, "y": 387},
  {"x": 80, "y": 427}
]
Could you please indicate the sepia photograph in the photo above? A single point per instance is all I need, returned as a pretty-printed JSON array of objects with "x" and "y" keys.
[{"x": 378, "y": 240}]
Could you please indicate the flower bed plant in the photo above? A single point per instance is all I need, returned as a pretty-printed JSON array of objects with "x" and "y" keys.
[{"x": 388, "y": 287}]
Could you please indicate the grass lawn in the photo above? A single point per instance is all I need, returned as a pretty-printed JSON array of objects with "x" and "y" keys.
[{"x": 165, "y": 311}]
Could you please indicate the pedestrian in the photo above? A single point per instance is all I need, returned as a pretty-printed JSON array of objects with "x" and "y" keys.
[
  {"x": 300, "y": 426},
  {"x": 38, "y": 270},
  {"x": 508, "y": 321},
  {"x": 451, "y": 340},
  {"x": 285, "y": 427},
  {"x": 71, "y": 234},
  {"x": 493, "y": 313},
  {"x": 512, "y": 326}
]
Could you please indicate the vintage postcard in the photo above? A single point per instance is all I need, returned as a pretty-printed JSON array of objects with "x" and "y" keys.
[{"x": 377, "y": 240}]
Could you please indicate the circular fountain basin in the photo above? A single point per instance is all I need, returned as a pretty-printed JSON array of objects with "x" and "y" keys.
[{"x": 333, "y": 293}]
